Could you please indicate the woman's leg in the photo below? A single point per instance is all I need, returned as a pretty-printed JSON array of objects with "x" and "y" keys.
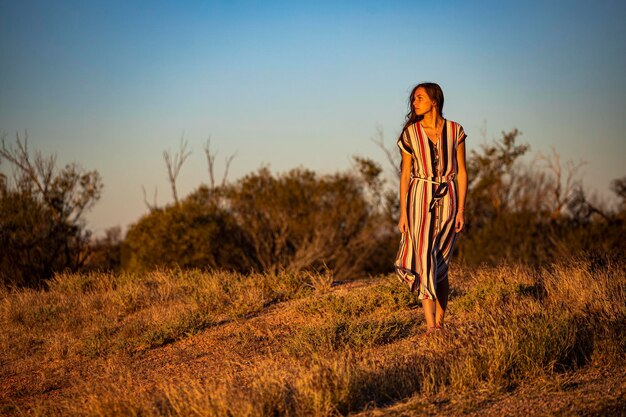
[
  {"x": 442, "y": 301},
  {"x": 429, "y": 312}
]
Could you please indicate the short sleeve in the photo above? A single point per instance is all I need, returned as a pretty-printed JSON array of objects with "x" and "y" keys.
[
  {"x": 404, "y": 144},
  {"x": 460, "y": 135}
]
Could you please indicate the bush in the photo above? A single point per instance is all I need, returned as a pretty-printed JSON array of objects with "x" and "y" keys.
[
  {"x": 195, "y": 233},
  {"x": 42, "y": 228},
  {"x": 293, "y": 222},
  {"x": 299, "y": 221}
]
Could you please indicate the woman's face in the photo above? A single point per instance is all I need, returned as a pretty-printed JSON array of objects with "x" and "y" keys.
[{"x": 421, "y": 102}]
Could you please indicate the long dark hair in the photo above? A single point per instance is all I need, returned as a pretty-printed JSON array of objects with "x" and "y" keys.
[{"x": 435, "y": 93}]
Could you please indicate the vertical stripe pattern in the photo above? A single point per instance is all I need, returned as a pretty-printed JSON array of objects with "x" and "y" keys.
[{"x": 431, "y": 203}]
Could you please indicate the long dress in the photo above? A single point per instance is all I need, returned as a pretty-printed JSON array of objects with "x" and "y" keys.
[{"x": 431, "y": 204}]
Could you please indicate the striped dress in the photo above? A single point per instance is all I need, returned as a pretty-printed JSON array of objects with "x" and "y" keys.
[{"x": 431, "y": 203}]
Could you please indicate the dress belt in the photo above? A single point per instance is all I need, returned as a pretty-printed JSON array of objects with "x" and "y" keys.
[
  {"x": 446, "y": 179},
  {"x": 441, "y": 190}
]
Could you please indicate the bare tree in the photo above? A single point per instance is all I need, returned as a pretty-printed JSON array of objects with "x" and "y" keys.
[
  {"x": 29, "y": 173},
  {"x": 392, "y": 157},
  {"x": 210, "y": 156},
  {"x": 564, "y": 180},
  {"x": 174, "y": 163},
  {"x": 151, "y": 206},
  {"x": 68, "y": 194}
]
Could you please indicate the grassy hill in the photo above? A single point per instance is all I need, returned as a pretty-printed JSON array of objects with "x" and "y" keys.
[{"x": 190, "y": 343}]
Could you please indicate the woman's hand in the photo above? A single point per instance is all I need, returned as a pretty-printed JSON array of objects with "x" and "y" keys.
[
  {"x": 460, "y": 222},
  {"x": 403, "y": 224}
]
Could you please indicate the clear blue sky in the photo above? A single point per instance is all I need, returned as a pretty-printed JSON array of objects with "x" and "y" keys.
[{"x": 111, "y": 84}]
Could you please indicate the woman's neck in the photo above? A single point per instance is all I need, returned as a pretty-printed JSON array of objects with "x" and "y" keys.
[{"x": 432, "y": 119}]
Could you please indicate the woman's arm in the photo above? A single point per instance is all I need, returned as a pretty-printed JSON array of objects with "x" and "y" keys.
[
  {"x": 462, "y": 187},
  {"x": 405, "y": 178}
]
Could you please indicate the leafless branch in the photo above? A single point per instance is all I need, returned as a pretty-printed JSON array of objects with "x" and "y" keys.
[
  {"x": 392, "y": 157},
  {"x": 563, "y": 183},
  {"x": 174, "y": 163},
  {"x": 39, "y": 172},
  {"x": 229, "y": 159},
  {"x": 210, "y": 156},
  {"x": 151, "y": 206}
]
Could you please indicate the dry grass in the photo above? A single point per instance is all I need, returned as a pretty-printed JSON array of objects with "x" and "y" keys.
[{"x": 174, "y": 343}]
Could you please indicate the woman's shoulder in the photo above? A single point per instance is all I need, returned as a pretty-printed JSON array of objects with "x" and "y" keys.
[
  {"x": 456, "y": 126},
  {"x": 453, "y": 122},
  {"x": 458, "y": 130},
  {"x": 411, "y": 128}
]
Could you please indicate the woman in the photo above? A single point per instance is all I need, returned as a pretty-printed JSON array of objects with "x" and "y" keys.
[{"x": 431, "y": 202}]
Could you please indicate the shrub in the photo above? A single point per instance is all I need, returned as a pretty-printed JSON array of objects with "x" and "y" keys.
[{"x": 42, "y": 227}]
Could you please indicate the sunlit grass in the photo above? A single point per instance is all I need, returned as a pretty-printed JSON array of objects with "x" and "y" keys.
[{"x": 308, "y": 347}]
